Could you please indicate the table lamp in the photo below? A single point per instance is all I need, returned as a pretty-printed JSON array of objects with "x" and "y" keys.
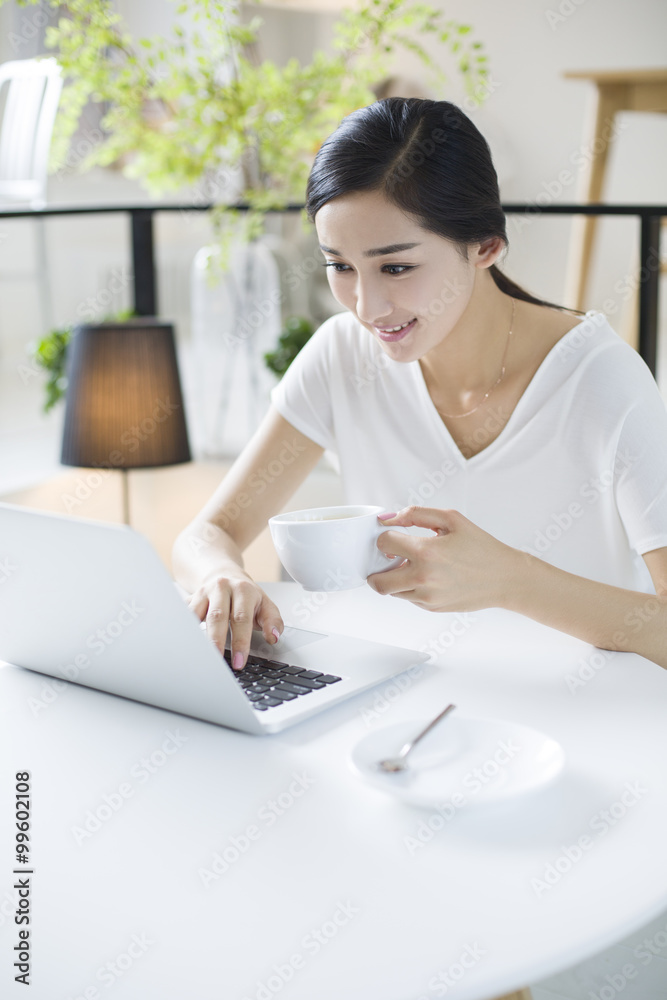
[{"x": 124, "y": 406}]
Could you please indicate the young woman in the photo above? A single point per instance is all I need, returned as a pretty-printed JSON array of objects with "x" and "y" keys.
[{"x": 537, "y": 436}]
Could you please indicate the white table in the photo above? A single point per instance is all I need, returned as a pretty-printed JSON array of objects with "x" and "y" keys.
[{"x": 321, "y": 898}]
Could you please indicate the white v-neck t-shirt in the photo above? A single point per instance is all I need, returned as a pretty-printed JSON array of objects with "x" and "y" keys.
[{"x": 577, "y": 476}]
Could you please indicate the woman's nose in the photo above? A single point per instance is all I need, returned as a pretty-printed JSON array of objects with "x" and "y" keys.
[{"x": 372, "y": 304}]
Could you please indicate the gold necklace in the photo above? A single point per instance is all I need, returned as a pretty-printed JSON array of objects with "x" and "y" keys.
[{"x": 455, "y": 416}]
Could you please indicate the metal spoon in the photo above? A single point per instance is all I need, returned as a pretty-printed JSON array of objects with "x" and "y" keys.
[{"x": 397, "y": 763}]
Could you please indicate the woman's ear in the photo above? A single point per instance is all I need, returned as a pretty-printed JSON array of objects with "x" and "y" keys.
[{"x": 488, "y": 252}]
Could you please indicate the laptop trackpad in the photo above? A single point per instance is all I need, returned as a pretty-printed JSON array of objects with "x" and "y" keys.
[{"x": 291, "y": 639}]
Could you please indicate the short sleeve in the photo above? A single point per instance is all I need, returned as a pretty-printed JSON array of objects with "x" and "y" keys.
[
  {"x": 640, "y": 469},
  {"x": 303, "y": 395}
]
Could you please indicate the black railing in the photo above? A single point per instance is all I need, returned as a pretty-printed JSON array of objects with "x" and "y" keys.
[{"x": 143, "y": 259}]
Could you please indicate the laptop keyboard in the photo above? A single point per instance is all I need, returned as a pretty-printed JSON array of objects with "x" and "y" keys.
[{"x": 268, "y": 683}]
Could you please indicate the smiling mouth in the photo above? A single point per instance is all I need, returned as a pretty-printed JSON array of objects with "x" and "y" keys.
[{"x": 394, "y": 332}]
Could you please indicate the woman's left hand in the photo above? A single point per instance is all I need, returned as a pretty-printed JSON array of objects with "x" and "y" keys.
[{"x": 460, "y": 568}]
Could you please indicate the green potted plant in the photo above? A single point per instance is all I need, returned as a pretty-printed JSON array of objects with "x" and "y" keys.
[{"x": 295, "y": 333}]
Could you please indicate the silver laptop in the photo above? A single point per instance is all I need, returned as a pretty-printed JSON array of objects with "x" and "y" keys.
[{"x": 92, "y": 603}]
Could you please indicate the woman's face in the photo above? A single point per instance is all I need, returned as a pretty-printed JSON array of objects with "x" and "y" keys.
[{"x": 388, "y": 272}]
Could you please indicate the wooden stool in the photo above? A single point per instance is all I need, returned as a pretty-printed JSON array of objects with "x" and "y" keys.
[{"x": 623, "y": 90}]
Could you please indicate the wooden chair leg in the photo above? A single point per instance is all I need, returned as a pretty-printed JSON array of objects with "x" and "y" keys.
[
  {"x": 518, "y": 995},
  {"x": 597, "y": 138}
]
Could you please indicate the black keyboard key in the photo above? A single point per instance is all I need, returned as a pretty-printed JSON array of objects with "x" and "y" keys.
[
  {"x": 310, "y": 675},
  {"x": 260, "y": 687},
  {"x": 306, "y": 682},
  {"x": 285, "y": 695},
  {"x": 259, "y": 706},
  {"x": 267, "y": 679},
  {"x": 291, "y": 688},
  {"x": 328, "y": 679},
  {"x": 270, "y": 701},
  {"x": 278, "y": 664},
  {"x": 293, "y": 670}
]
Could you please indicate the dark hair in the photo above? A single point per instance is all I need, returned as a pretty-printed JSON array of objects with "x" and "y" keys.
[{"x": 427, "y": 158}]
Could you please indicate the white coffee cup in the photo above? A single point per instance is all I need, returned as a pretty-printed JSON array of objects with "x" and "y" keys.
[{"x": 331, "y": 548}]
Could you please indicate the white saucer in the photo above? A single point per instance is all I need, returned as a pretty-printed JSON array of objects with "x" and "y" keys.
[{"x": 463, "y": 760}]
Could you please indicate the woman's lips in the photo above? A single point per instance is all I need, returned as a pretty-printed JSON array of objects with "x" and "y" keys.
[{"x": 392, "y": 337}]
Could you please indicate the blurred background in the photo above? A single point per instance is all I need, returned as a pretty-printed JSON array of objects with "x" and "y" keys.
[{"x": 537, "y": 121}]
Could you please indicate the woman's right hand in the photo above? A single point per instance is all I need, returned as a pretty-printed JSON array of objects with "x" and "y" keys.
[{"x": 236, "y": 602}]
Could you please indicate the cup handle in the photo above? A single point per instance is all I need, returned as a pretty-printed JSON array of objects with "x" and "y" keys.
[{"x": 381, "y": 563}]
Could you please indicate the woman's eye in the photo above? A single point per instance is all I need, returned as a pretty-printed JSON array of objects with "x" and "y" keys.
[
  {"x": 387, "y": 269},
  {"x": 336, "y": 265},
  {"x": 398, "y": 268}
]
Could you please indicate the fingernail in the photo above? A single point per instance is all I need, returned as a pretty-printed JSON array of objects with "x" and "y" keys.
[
  {"x": 237, "y": 662},
  {"x": 274, "y": 631},
  {"x": 383, "y": 517}
]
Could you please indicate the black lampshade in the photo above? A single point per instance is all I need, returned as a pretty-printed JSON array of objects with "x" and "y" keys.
[{"x": 124, "y": 404}]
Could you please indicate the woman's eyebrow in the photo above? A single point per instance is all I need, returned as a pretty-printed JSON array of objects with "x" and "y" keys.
[{"x": 377, "y": 251}]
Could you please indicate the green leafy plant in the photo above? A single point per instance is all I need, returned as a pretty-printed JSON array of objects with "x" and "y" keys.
[
  {"x": 296, "y": 332},
  {"x": 50, "y": 353},
  {"x": 192, "y": 108}
]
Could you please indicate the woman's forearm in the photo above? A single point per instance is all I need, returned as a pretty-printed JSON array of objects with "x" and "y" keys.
[
  {"x": 203, "y": 550},
  {"x": 608, "y": 617}
]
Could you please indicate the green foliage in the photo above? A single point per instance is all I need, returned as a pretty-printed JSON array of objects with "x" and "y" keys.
[
  {"x": 50, "y": 353},
  {"x": 188, "y": 109},
  {"x": 296, "y": 332}
]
